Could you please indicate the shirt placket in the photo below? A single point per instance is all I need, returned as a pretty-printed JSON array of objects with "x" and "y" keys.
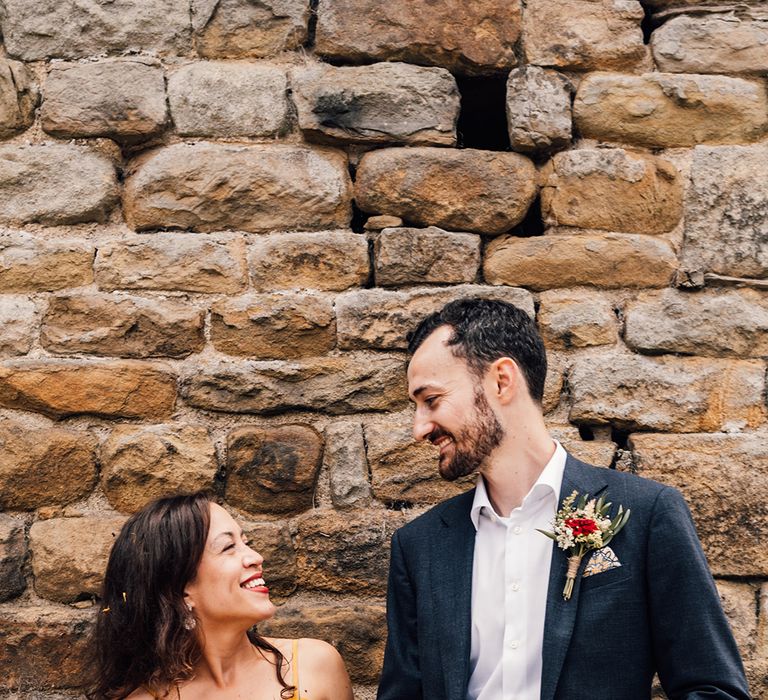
[{"x": 513, "y": 654}]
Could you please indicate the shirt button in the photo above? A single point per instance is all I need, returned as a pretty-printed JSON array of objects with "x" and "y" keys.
[
  {"x": 515, "y": 586},
  {"x": 517, "y": 530},
  {"x": 514, "y": 644}
]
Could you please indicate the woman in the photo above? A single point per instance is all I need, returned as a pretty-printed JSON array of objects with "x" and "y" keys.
[{"x": 182, "y": 592}]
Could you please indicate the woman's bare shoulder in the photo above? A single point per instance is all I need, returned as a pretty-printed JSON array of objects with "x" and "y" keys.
[{"x": 321, "y": 664}]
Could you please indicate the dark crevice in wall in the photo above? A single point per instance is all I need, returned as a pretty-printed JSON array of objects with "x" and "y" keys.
[
  {"x": 483, "y": 117},
  {"x": 620, "y": 437},
  {"x": 586, "y": 433},
  {"x": 532, "y": 224},
  {"x": 647, "y": 25},
  {"x": 312, "y": 26},
  {"x": 359, "y": 217}
]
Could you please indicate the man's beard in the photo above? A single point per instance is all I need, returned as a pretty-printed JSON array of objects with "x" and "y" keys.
[{"x": 474, "y": 444}]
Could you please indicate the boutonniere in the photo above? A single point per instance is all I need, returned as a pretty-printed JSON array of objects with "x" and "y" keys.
[{"x": 582, "y": 526}]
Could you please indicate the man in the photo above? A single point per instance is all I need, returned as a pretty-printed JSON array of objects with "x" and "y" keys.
[{"x": 475, "y": 605}]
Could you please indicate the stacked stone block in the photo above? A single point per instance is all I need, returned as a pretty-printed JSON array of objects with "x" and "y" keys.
[{"x": 218, "y": 219}]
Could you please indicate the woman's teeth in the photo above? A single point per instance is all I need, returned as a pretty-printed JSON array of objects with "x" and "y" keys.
[{"x": 253, "y": 583}]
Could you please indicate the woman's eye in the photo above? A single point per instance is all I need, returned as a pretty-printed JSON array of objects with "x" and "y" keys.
[{"x": 231, "y": 545}]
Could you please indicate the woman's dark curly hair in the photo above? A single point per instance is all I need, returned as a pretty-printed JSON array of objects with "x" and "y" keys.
[{"x": 139, "y": 639}]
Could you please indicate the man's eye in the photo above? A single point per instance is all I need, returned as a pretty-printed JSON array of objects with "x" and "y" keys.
[{"x": 430, "y": 400}]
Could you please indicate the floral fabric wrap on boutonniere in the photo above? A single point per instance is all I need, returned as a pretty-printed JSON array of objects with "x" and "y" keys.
[{"x": 581, "y": 527}]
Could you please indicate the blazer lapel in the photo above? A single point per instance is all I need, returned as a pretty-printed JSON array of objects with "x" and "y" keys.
[
  {"x": 560, "y": 616},
  {"x": 451, "y": 572}
]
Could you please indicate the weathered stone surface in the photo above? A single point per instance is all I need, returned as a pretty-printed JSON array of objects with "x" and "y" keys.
[
  {"x": 343, "y": 384},
  {"x": 382, "y": 103},
  {"x": 126, "y": 326},
  {"x": 80, "y": 28},
  {"x": 274, "y": 326},
  {"x": 611, "y": 189},
  {"x": 69, "y": 555},
  {"x": 379, "y": 223},
  {"x": 378, "y": 318},
  {"x": 127, "y": 389},
  {"x": 18, "y": 321},
  {"x": 122, "y": 99},
  {"x": 464, "y": 190},
  {"x": 714, "y": 323},
  {"x": 13, "y": 553},
  {"x": 42, "y": 646},
  {"x": 18, "y": 98},
  {"x": 585, "y": 34},
  {"x": 331, "y": 260},
  {"x": 738, "y": 601},
  {"x": 172, "y": 261},
  {"x": 344, "y": 552},
  {"x": 667, "y": 110},
  {"x": 714, "y": 43},
  {"x": 357, "y": 629},
  {"x": 726, "y": 220},
  {"x": 538, "y": 110},
  {"x": 567, "y": 259},
  {"x": 273, "y": 541},
  {"x": 44, "y": 466},
  {"x": 140, "y": 464},
  {"x": 28, "y": 263},
  {"x": 418, "y": 31},
  {"x": 554, "y": 382},
  {"x": 684, "y": 395},
  {"x": 424, "y": 256},
  {"x": 402, "y": 469},
  {"x": 222, "y": 98},
  {"x": 700, "y": 465},
  {"x": 242, "y": 28},
  {"x": 273, "y": 469},
  {"x": 344, "y": 457},
  {"x": 55, "y": 184},
  {"x": 210, "y": 187},
  {"x": 597, "y": 452},
  {"x": 576, "y": 318}
]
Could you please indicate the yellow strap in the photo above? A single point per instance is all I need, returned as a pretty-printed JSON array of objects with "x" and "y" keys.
[{"x": 295, "y": 664}]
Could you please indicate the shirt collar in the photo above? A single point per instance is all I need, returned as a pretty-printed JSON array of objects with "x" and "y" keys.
[{"x": 549, "y": 481}]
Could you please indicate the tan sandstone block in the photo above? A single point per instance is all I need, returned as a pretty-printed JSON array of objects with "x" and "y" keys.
[
  {"x": 421, "y": 32},
  {"x": 585, "y": 34},
  {"x": 738, "y": 601},
  {"x": 330, "y": 260},
  {"x": 356, "y": 628},
  {"x": 464, "y": 190},
  {"x": 273, "y": 469},
  {"x": 42, "y": 647},
  {"x": 274, "y": 326},
  {"x": 44, "y": 466},
  {"x": 127, "y": 389},
  {"x": 384, "y": 103},
  {"x": 684, "y": 395},
  {"x": 423, "y": 256},
  {"x": 30, "y": 264},
  {"x": 347, "y": 383},
  {"x": 126, "y": 326},
  {"x": 554, "y": 382},
  {"x": 121, "y": 99},
  {"x": 211, "y": 187},
  {"x": 715, "y": 43},
  {"x": 273, "y": 541},
  {"x": 600, "y": 453},
  {"x": 227, "y": 98},
  {"x": 723, "y": 465},
  {"x": 345, "y": 552},
  {"x": 402, "y": 469},
  {"x": 18, "y": 98},
  {"x": 611, "y": 189},
  {"x": 18, "y": 324},
  {"x": 55, "y": 184},
  {"x": 81, "y": 28},
  {"x": 69, "y": 555},
  {"x": 242, "y": 28},
  {"x": 668, "y": 110},
  {"x": 140, "y": 464},
  {"x": 172, "y": 261},
  {"x": 710, "y": 322},
  {"x": 576, "y": 318},
  {"x": 345, "y": 459},
  {"x": 567, "y": 259},
  {"x": 378, "y": 318},
  {"x": 13, "y": 554},
  {"x": 726, "y": 211}
]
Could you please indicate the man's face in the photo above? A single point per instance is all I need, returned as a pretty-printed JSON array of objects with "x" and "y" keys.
[{"x": 452, "y": 410}]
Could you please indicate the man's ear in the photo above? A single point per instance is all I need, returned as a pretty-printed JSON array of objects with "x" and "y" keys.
[{"x": 506, "y": 378}]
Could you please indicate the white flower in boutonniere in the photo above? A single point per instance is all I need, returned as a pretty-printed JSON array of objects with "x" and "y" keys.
[{"x": 581, "y": 527}]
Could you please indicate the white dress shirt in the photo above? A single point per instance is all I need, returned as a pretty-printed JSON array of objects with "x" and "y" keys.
[{"x": 510, "y": 576}]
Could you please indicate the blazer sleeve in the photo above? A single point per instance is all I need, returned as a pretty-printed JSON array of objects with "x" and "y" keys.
[
  {"x": 401, "y": 676},
  {"x": 695, "y": 652}
]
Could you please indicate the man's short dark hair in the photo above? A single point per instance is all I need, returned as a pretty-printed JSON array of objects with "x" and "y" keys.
[{"x": 485, "y": 330}]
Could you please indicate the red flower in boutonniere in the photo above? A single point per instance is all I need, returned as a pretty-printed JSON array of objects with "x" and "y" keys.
[{"x": 582, "y": 527}]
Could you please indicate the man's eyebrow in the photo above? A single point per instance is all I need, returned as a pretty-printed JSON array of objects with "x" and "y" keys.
[{"x": 421, "y": 390}]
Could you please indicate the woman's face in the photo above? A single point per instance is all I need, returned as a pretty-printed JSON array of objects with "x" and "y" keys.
[{"x": 228, "y": 587}]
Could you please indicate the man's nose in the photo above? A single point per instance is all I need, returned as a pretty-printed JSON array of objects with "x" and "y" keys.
[{"x": 421, "y": 426}]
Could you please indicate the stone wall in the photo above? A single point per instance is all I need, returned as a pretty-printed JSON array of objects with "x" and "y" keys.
[{"x": 219, "y": 217}]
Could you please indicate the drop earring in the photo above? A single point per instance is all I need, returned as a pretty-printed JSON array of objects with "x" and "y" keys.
[{"x": 189, "y": 621}]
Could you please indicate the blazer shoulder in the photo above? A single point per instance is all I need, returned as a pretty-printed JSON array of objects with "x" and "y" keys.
[{"x": 446, "y": 512}]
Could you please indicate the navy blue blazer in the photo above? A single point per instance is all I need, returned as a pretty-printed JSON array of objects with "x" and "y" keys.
[{"x": 658, "y": 613}]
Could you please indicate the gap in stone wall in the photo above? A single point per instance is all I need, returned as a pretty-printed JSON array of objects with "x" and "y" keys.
[
  {"x": 533, "y": 223},
  {"x": 483, "y": 116}
]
